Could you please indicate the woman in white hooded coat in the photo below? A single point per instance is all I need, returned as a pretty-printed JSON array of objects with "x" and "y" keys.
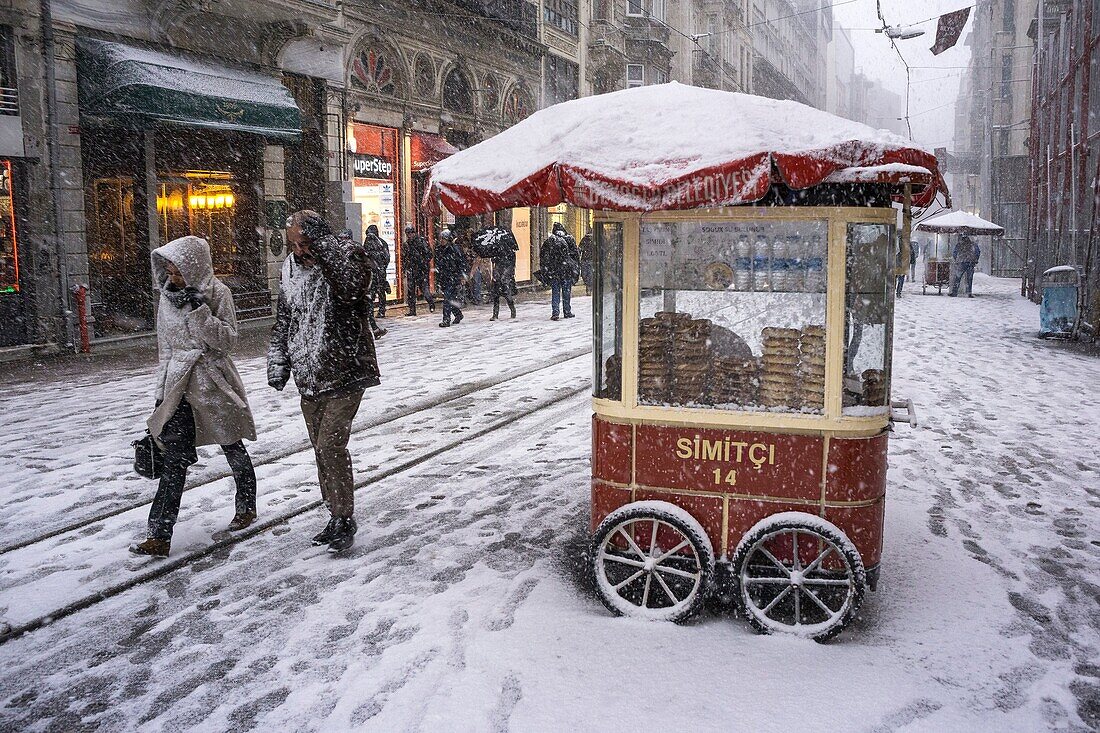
[{"x": 200, "y": 396}]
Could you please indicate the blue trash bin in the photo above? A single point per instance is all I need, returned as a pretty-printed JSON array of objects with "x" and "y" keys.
[{"x": 1058, "y": 310}]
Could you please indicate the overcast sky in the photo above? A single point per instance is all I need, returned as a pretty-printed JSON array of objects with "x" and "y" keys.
[{"x": 934, "y": 89}]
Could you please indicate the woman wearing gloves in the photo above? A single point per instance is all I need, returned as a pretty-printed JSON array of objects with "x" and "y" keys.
[{"x": 200, "y": 396}]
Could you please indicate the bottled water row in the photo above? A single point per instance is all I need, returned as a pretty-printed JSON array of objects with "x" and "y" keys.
[{"x": 785, "y": 264}]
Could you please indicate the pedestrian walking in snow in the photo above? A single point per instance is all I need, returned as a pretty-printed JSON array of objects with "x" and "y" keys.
[
  {"x": 200, "y": 398},
  {"x": 560, "y": 269},
  {"x": 901, "y": 266},
  {"x": 965, "y": 255},
  {"x": 416, "y": 264},
  {"x": 913, "y": 247},
  {"x": 348, "y": 239},
  {"x": 378, "y": 250},
  {"x": 450, "y": 270},
  {"x": 322, "y": 336},
  {"x": 499, "y": 245},
  {"x": 587, "y": 253}
]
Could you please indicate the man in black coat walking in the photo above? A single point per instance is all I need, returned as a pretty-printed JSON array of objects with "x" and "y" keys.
[
  {"x": 378, "y": 250},
  {"x": 450, "y": 270},
  {"x": 416, "y": 264},
  {"x": 323, "y": 337},
  {"x": 499, "y": 245},
  {"x": 560, "y": 264}
]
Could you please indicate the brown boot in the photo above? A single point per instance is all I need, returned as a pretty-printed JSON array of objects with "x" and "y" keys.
[
  {"x": 151, "y": 547},
  {"x": 241, "y": 520}
]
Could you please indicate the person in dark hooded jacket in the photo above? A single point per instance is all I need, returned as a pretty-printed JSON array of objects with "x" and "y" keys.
[
  {"x": 499, "y": 245},
  {"x": 200, "y": 398},
  {"x": 322, "y": 337},
  {"x": 348, "y": 239},
  {"x": 378, "y": 250},
  {"x": 450, "y": 269},
  {"x": 560, "y": 269},
  {"x": 416, "y": 263}
]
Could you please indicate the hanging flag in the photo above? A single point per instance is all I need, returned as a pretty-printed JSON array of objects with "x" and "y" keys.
[{"x": 949, "y": 29}]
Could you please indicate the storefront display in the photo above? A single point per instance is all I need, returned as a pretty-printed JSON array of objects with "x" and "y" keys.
[
  {"x": 9, "y": 243},
  {"x": 375, "y": 189}
]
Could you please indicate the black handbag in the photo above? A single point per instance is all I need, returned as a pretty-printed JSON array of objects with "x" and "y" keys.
[{"x": 148, "y": 457}]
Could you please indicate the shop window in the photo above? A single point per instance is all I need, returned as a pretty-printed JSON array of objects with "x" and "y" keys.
[
  {"x": 635, "y": 75},
  {"x": 203, "y": 203},
  {"x": 869, "y": 272},
  {"x": 732, "y": 315},
  {"x": 562, "y": 79},
  {"x": 375, "y": 189},
  {"x": 558, "y": 215},
  {"x": 607, "y": 293},
  {"x": 562, "y": 15},
  {"x": 9, "y": 245}
]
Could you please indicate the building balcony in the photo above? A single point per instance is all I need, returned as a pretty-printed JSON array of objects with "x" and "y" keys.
[
  {"x": 640, "y": 29},
  {"x": 605, "y": 37},
  {"x": 9, "y": 101}
]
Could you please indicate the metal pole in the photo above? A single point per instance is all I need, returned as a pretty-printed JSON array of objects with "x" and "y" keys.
[{"x": 54, "y": 137}]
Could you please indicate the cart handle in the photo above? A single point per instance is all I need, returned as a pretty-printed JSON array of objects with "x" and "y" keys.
[{"x": 903, "y": 411}]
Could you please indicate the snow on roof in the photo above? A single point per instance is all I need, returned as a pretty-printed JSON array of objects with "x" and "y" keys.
[
  {"x": 127, "y": 65},
  {"x": 656, "y": 136},
  {"x": 901, "y": 172},
  {"x": 960, "y": 221}
]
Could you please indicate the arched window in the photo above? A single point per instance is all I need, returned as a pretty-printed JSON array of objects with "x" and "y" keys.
[{"x": 458, "y": 95}]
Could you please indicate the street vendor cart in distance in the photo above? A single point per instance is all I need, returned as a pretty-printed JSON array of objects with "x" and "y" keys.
[{"x": 742, "y": 316}]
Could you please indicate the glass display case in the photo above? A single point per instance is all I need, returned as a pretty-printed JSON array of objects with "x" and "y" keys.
[
  {"x": 732, "y": 315},
  {"x": 746, "y": 311}
]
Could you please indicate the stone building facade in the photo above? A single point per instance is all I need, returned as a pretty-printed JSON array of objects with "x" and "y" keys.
[{"x": 128, "y": 123}]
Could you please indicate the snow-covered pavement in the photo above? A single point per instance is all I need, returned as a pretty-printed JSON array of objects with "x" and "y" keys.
[{"x": 463, "y": 606}]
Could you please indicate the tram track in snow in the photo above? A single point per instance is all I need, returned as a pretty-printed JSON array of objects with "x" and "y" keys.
[
  {"x": 462, "y": 392},
  {"x": 223, "y": 541}
]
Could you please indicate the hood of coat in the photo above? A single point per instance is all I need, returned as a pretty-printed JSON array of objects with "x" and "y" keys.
[{"x": 191, "y": 255}]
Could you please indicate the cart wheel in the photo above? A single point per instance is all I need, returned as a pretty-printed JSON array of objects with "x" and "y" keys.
[
  {"x": 798, "y": 574},
  {"x": 652, "y": 560}
]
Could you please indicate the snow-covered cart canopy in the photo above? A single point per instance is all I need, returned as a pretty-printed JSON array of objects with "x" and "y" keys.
[
  {"x": 671, "y": 146},
  {"x": 960, "y": 222}
]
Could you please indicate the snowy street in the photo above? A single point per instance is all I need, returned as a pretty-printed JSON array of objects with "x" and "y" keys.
[{"x": 465, "y": 606}]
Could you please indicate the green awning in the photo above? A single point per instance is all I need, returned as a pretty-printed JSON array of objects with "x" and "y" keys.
[{"x": 117, "y": 80}]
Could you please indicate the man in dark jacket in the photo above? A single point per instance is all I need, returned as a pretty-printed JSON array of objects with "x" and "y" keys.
[
  {"x": 348, "y": 239},
  {"x": 416, "y": 264},
  {"x": 499, "y": 245},
  {"x": 322, "y": 336},
  {"x": 560, "y": 269},
  {"x": 450, "y": 269},
  {"x": 378, "y": 250}
]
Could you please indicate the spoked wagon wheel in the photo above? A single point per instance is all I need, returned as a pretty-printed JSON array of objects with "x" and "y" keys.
[
  {"x": 652, "y": 560},
  {"x": 798, "y": 574}
]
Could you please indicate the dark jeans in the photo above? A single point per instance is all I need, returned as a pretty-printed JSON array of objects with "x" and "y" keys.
[
  {"x": 901, "y": 282},
  {"x": 451, "y": 301},
  {"x": 560, "y": 293},
  {"x": 178, "y": 437},
  {"x": 415, "y": 281}
]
